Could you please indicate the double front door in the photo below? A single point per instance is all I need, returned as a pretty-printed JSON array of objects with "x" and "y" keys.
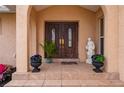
[{"x": 65, "y": 37}]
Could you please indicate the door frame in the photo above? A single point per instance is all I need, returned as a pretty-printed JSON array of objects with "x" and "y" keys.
[{"x": 76, "y": 21}]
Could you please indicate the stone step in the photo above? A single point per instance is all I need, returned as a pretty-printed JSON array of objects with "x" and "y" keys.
[
  {"x": 67, "y": 76},
  {"x": 66, "y": 60},
  {"x": 65, "y": 83}
]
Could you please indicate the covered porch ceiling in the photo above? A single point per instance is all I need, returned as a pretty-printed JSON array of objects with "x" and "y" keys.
[
  {"x": 12, "y": 8},
  {"x": 93, "y": 8},
  {"x": 7, "y": 8}
]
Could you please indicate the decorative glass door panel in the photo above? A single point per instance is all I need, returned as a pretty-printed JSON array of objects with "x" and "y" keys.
[
  {"x": 69, "y": 37},
  {"x": 53, "y": 35}
]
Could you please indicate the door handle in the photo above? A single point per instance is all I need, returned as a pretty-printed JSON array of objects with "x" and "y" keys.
[{"x": 61, "y": 42}]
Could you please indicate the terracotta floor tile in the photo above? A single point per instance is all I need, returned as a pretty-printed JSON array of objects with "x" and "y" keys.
[
  {"x": 53, "y": 75},
  {"x": 70, "y": 76},
  {"x": 37, "y": 76},
  {"x": 16, "y": 83},
  {"x": 34, "y": 83},
  {"x": 52, "y": 83},
  {"x": 91, "y": 83},
  {"x": 71, "y": 83}
]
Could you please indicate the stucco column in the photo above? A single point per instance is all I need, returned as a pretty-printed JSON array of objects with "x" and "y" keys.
[
  {"x": 121, "y": 42},
  {"x": 22, "y": 38},
  {"x": 111, "y": 38}
]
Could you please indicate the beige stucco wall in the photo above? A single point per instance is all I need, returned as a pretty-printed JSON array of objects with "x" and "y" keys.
[
  {"x": 32, "y": 33},
  {"x": 86, "y": 19},
  {"x": 121, "y": 42},
  {"x": 8, "y": 39}
]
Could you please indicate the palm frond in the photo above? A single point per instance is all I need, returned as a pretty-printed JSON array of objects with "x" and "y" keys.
[{"x": 49, "y": 47}]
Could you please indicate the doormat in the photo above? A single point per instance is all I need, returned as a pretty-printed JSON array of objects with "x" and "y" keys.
[{"x": 68, "y": 63}]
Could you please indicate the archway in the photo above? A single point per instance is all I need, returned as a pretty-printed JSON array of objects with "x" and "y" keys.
[{"x": 111, "y": 64}]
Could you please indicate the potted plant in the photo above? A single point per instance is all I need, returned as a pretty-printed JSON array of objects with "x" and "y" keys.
[
  {"x": 50, "y": 49},
  {"x": 36, "y": 61},
  {"x": 98, "y": 62}
]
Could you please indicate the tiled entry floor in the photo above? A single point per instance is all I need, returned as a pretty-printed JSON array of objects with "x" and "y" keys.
[{"x": 58, "y": 75}]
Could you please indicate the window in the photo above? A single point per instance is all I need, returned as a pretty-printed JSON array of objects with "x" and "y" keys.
[
  {"x": 53, "y": 35},
  {"x": 101, "y": 36},
  {"x": 69, "y": 37}
]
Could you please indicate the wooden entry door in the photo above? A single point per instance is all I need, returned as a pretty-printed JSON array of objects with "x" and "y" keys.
[{"x": 65, "y": 36}]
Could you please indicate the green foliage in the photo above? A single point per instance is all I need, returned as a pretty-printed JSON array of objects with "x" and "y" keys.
[
  {"x": 100, "y": 58},
  {"x": 49, "y": 48}
]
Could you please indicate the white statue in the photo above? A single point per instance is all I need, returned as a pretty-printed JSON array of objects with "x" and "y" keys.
[{"x": 90, "y": 47}]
